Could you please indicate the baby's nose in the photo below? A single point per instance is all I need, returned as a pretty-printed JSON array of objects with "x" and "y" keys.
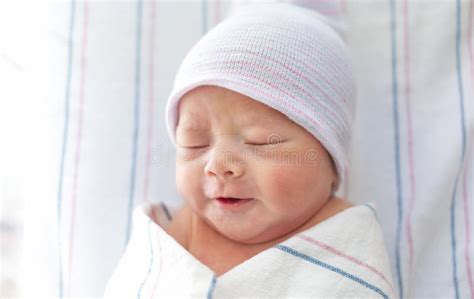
[{"x": 225, "y": 162}]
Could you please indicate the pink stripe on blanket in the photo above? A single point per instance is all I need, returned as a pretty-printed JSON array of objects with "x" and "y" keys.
[
  {"x": 82, "y": 72},
  {"x": 345, "y": 256}
]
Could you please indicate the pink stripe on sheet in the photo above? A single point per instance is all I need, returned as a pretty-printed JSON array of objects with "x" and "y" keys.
[
  {"x": 217, "y": 12},
  {"x": 151, "y": 101},
  {"x": 411, "y": 195},
  {"x": 325, "y": 7},
  {"x": 343, "y": 6},
  {"x": 468, "y": 158},
  {"x": 466, "y": 218},
  {"x": 345, "y": 256},
  {"x": 151, "y": 118},
  {"x": 77, "y": 151}
]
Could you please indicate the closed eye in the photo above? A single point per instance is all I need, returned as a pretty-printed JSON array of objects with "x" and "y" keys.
[
  {"x": 263, "y": 144},
  {"x": 194, "y": 147},
  {"x": 254, "y": 144}
]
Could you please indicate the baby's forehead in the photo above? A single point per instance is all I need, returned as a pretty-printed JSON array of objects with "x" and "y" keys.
[
  {"x": 213, "y": 97},
  {"x": 201, "y": 119},
  {"x": 245, "y": 119},
  {"x": 208, "y": 102}
]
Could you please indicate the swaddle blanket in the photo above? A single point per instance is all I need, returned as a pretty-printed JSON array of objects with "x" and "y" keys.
[{"x": 343, "y": 256}]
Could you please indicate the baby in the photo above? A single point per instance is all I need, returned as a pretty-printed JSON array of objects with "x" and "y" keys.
[
  {"x": 260, "y": 115},
  {"x": 245, "y": 193}
]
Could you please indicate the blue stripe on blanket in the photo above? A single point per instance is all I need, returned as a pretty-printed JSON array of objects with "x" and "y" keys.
[
  {"x": 64, "y": 144},
  {"x": 373, "y": 211},
  {"x": 150, "y": 267},
  {"x": 332, "y": 268},
  {"x": 211, "y": 288}
]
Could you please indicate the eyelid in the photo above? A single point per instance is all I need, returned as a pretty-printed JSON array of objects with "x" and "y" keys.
[
  {"x": 254, "y": 144},
  {"x": 262, "y": 144},
  {"x": 249, "y": 143},
  {"x": 194, "y": 147}
]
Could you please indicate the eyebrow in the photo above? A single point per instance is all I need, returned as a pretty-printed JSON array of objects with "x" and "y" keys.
[
  {"x": 260, "y": 121},
  {"x": 185, "y": 129},
  {"x": 256, "y": 120},
  {"x": 191, "y": 125},
  {"x": 188, "y": 128}
]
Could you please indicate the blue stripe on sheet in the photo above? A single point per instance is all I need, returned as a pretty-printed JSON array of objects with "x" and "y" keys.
[
  {"x": 332, "y": 268},
  {"x": 393, "y": 28},
  {"x": 463, "y": 132},
  {"x": 151, "y": 261},
  {"x": 204, "y": 17},
  {"x": 138, "y": 42},
  {"x": 211, "y": 288},
  {"x": 64, "y": 144}
]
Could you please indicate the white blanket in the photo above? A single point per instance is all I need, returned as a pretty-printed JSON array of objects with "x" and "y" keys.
[{"x": 343, "y": 256}]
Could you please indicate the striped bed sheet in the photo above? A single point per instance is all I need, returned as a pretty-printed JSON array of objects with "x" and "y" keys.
[{"x": 104, "y": 70}]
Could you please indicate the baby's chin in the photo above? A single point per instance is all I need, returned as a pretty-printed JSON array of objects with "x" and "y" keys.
[
  {"x": 240, "y": 235},
  {"x": 252, "y": 234}
]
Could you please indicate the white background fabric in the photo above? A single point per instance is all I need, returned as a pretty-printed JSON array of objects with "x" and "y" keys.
[{"x": 407, "y": 147}]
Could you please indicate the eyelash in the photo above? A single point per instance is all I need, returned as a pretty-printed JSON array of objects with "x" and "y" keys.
[
  {"x": 254, "y": 144},
  {"x": 261, "y": 144},
  {"x": 194, "y": 147}
]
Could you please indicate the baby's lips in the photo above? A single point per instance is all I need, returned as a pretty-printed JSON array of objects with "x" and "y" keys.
[
  {"x": 232, "y": 204},
  {"x": 231, "y": 197}
]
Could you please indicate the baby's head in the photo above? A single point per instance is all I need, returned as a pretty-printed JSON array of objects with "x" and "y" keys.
[{"x": 261, "y": 109}]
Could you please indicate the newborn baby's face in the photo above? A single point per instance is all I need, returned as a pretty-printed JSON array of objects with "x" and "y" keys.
[{"x": 231, "y": 145}]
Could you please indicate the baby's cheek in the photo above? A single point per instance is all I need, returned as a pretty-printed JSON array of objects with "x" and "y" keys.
[
  {"x": 284, "y": 185},
  {"x": 186, "y": 179}
]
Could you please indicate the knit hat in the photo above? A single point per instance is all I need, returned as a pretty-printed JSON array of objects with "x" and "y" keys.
[{"x": 285, "y": 56}]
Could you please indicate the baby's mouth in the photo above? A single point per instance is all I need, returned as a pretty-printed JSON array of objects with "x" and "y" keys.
[{"x": 230, "y": 201}]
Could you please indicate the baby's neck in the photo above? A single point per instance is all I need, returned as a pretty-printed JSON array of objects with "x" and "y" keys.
[
  {"x": 221, "y": 253},
  {"x": 207, "y": 245}
]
